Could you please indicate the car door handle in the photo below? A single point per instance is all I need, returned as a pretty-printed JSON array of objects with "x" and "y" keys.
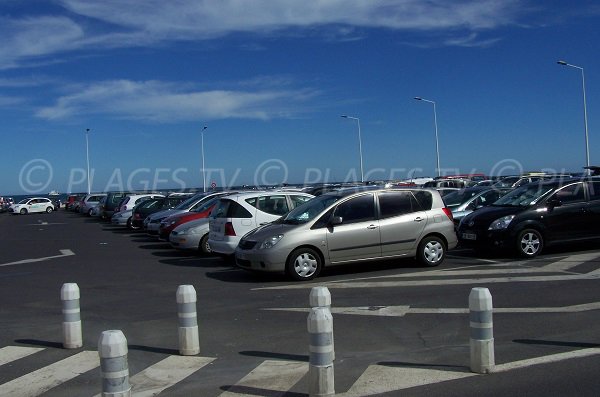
[
  {"x": 418, "y": 219},
  {"x": 372, "y": 227}
]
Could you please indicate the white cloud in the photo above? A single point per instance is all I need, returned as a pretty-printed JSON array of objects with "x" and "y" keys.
[
  {"x": 126, "y": 23},
  {"x": 155, "y": 101}
]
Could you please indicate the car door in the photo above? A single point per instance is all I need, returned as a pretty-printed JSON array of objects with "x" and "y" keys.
[
  {"x": 401, "y": 222},
  {"x": 594, "y": 208},
  {"x": 357, "y": 236},
  {"x": 567, "y": 219}
]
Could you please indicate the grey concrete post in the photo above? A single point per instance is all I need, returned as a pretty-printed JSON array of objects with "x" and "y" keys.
[
  {"x": 71, "y": 326},
  {"x": 189, "y": 340},
  {"x": 482, "y": 335},
  {"x": 321, "y": 297},
  {"x": 112, "y": 349},
  {"x": 320, "y": 363}
]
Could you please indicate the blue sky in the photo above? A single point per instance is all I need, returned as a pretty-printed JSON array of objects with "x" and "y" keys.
[{"x": 270, "y": 79}]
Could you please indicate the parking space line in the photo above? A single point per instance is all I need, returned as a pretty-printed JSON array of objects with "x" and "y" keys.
[{"x": 63, "y": 253}]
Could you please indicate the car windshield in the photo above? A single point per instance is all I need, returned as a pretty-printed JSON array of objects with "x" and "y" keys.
[
  {"x": 524, "y": 196},
  {"x": 24, "y": 201},
  {"x": 187, "y": 203},
  {"x": 310, "y": 209},
  {"x": 458, "y": 197}
]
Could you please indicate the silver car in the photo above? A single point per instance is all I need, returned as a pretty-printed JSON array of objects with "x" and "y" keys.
[
  {"x": 191, "y": 235},
  {"x": 353, "y": 225}
]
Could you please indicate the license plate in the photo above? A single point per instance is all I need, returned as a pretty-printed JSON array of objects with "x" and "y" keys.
[{"x": 469, "y": 236}]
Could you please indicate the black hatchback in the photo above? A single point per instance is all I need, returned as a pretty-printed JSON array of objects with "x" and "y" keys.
[{"x": 534, "y": 216}]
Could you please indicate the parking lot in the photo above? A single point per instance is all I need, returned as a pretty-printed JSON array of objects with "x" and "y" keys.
[{"x": 400, "y": 329}]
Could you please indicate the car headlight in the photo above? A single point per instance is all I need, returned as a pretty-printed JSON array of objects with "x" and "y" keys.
[
  {"x": 501, "y": 223},
  {"x": 270, "y": 242}
]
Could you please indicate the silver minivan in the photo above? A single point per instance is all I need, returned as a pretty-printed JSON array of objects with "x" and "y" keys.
[{"x": 351, "y": 225}]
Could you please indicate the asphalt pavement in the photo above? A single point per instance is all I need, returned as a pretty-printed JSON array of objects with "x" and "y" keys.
[{"x": 399, "y": 329}]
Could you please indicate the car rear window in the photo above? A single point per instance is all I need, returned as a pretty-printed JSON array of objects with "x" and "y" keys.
[
  {"x": 275, "y": 205},
  {"x": 397, "y": 203},
  {"x": 230, "y": 209}
]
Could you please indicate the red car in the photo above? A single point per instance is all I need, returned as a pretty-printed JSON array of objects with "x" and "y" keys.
[{"x": 171, "y": 222}]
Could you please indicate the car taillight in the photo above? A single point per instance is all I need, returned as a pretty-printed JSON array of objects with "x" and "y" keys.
[
  {"x": 229, "y": 231},
  {"x": 448, "y": 213}
]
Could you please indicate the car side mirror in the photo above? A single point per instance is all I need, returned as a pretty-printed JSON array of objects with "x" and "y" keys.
[{"x": 337, "y": 220}]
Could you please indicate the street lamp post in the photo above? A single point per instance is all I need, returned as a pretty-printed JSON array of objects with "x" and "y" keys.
[
  {"x": 437, "y": 145},
  {"x": 203, "y": 170},
  {"x": 87, "y": 156},
  {"x": 362, "y": 175},
  {"x": 587, "y": 147}
]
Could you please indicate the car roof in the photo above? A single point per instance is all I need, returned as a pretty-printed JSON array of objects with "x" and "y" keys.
[{"x": 261, "y": 193}]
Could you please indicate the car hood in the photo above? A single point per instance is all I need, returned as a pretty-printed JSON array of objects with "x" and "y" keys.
[
  {"x": 269, "y": 230},
  {"x": 164, "y": 213},
  {"x": 491, "y": 213}
]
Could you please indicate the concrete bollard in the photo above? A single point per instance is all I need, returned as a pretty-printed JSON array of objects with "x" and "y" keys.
[
  {"x": 321, "y": 297},
  {"x": 71, "y": 326},
  {"x": 189, "y": 340},
  {"x": 320, "y": 363},
  {"x": 482, "y": 335},
  {"x": 112, "y": 349}
]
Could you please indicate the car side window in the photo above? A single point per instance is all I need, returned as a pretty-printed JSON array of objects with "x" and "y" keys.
[
  {"x": 275, "y": 205},
  {"x": 396, "y": 203},
  {"x": 571, "y": 194},
  {"x": 358, "y": 209},
  {"x": 594, "y": 190}
]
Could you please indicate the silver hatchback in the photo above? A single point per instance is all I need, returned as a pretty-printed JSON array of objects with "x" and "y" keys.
[{"x": 351, "y": 225}]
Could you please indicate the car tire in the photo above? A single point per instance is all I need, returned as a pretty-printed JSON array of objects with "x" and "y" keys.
[
  {"x": 204, "y": 247},
  {"x": 431, "y": 251},
  {"x": 90, "y": 212},
  {"x": 304, "y": 264},
  {"x": 131, "y": 226},
  {"x": 49, "y": 210},
  {"x": 23, "y": 211},
  {"x": 530, "y": 243}
]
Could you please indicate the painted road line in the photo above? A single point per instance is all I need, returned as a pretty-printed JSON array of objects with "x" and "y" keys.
[
  {"x": 11, "y": 353},
  {"x": 570, "y": 262},
  {"x": 401, "y": 311},
  {"x": 63, "y": 253},
  {"x": 44, "y": 379},
  {"x": 547, "y": 359},
  {"x": 271, "y": 378},
  {"x": 164, "y": 374},
  {"x": 379, "y": 379}
]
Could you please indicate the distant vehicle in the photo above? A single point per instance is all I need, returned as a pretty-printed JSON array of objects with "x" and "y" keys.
[
  {"x": 73, "y": 201},
  {"x": 351, "y": 226},
  {"x": 90, "y": 201},
  {"x": 171, "y": 222},
  {"x": 238, "y": 214},
  {"x": 515, "y": 181},
  {"x": 534, "y": 216},
  {"x": 32, "y": 205},
  {"x": 149, "y": 207},
  {"x": 124, "y": 211},
  {"x": 192, "y": 235},
  {"x": 465, "y": 201},
  {"x": 109, "y": 204}
]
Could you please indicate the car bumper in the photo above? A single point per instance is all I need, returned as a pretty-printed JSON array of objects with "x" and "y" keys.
[
  {"x": 263, "y": 260},
  {"x": 185, "y": 241},
  {"x": 152, "y": 228},
  {"x": 119, "y": 221},
  {"x": 484, "y": 238},
  {"x": 223, "y": 247}
]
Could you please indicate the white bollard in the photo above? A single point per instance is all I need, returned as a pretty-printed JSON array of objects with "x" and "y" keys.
[
  {"x": 482, "y": 335},
  {"x": 321, "y": 297},
  {"x": 320, "y": 363},
  {"x": 112, "y": 349},
  {"x": 189, "y": 340},
  {"x": 71, "y": 326}
]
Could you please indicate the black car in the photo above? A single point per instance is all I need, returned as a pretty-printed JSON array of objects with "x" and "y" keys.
[
  {"x": 534, "y": 216},
  {"x": 148, "y": 207}
]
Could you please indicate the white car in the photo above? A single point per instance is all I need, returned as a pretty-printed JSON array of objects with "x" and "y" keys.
[
  {"x": 32, "y": 205},
  {"x": 191, "y": 235},
  {"x": 237, "y": 214}
]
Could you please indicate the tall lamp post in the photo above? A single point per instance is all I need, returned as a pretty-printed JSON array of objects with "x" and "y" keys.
[
  {"x": 362, "y": 175},
  {"x": 437, "y": 145},
  {"x": 203, "y": 171},
  {"x": 87, "y": 156},
  {"x": 587, "y": 147}
]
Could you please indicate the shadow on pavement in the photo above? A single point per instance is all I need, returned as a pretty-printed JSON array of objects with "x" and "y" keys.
[{"x": 557, "y": 343}]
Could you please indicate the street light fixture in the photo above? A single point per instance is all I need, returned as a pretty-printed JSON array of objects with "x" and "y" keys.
[
  {"x": 362, "y": 175},
  {"x": 587, "y": 147},
  {"x": 437, "y": 146},
  {"x": 203, "y": 170},
  {"x": 87, "y": 156}
]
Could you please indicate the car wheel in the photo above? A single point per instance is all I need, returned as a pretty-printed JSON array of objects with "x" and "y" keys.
[
  {"x": 49, "y": 210},
  {"x": 529, "y": 243},
  {"x": 90, "y": 212},
  {"x": 23, "y": 211},
  {"x": 204, "y": 247},
  {"x": 304, "y": 264},
  {"x": 431, "y": 251}
]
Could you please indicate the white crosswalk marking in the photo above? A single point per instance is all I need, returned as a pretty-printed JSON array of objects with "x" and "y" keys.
[
  {"x": 268, "y": 378},
  {"x": 44, "y": 379},
  {"x": 570, "y": 262},
  {"x": 164, "y": 374},
  {"x": 12, "y": 353},
  {"x": 378, "y": 379}
]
